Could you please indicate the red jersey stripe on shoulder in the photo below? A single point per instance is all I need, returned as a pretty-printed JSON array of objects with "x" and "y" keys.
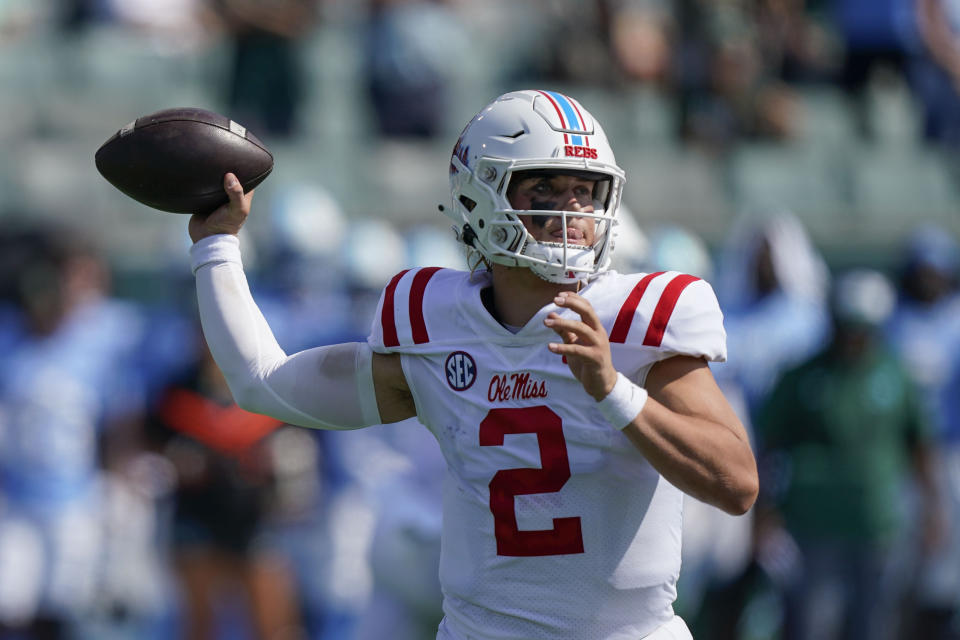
[
  {"x": 625, "y": 318},
  {"x": 417, "y": 324},
  {"x": 664, "y": 309},
  {"x": 387, "y": 319}
]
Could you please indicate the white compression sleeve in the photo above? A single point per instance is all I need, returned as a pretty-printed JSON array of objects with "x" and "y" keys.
[{"x": 327, "y": 387}]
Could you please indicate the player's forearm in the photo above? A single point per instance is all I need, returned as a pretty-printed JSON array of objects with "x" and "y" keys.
[
  {"x": 326, "y": 387},
  {"x": 236, "y": 332},
  {"x": 706, "y": 459}
]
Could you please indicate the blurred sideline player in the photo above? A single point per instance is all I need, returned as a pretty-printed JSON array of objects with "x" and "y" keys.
[
  {"x": 924, "y": 331},
  {"x": 71, "y": 390},
  {"x": 840, "y": 455},
  {"x": 562, "y": 496},
  {"x": 773, "y": 283},
  {"x": 228, "y": 504}
]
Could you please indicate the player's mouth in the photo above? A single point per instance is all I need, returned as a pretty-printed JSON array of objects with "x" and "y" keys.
[{"x": 574, "y": 235}]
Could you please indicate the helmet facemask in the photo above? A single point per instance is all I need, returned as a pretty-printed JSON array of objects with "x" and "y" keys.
[
  {"x": 502, "y": 237},
  {"x": 568, "y": 206},
  {"x": 511, "y": 141}
]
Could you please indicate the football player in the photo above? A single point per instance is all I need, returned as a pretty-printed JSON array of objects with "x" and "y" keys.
[{"x": 573, "y": 404}]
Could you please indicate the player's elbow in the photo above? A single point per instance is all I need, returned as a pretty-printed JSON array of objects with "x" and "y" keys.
[
  {"x": 248, "y": 395},
  {"x": 741, "y": 493},
  {"x": 247, "y": 401}
]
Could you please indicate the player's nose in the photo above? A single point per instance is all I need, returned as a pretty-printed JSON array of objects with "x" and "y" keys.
[{"x": 573, "y": 204}]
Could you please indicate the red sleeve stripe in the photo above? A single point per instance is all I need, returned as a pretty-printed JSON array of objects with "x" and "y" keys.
[
  {"x": 664, "y": 309},
  {"x": 625, "y": 318},
  {"x": 417, "y": 325},
  {"x": 387, "y": 320}
]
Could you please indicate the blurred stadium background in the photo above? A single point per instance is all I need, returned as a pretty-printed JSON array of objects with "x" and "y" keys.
[
  {"x": 855, "y": 166},
  {"x": 843, "y": 113}
]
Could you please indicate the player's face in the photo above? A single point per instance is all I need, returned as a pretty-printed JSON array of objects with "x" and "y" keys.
[{"x": 555, "y": 192}]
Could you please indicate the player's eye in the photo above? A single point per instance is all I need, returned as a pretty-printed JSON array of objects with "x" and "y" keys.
[{"x": 542, "y": 188}]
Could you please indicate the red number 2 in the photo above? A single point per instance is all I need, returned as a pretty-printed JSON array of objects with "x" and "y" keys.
[{"x": 565, "y": 536}]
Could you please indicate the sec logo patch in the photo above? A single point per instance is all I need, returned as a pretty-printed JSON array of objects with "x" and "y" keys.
[{"x": 461, "y": 370}]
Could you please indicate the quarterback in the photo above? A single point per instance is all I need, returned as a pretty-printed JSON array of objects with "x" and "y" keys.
[{"x": 573, "y": 404}]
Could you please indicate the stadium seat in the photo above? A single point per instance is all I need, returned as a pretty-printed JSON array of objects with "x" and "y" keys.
[
  {"x": 674, "y": 185},
  {"x": 334, "y": 107},
  {"x": 901, "y": 182},
  {"x": 892, "y": 114},
  {"x": 806, "y": 181},
  {"x": 826, "y": 117},
  {"x": 107, "y": 76}
]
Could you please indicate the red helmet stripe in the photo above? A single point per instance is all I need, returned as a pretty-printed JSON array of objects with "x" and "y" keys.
[{"x": 563, "y": 121}]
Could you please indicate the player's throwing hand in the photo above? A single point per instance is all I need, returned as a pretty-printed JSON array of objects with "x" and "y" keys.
[{"x": 227, "y": 218}]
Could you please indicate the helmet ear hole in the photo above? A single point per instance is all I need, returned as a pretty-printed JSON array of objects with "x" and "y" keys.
[
  {"x": 468, "y": 203},
  {"x": 469, "y": 235}
]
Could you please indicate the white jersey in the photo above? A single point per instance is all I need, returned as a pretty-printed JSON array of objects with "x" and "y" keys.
[{"x": 554, "y": 524}]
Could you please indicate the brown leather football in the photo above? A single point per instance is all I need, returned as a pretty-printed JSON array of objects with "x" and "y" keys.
[{"x": 174, "y": 160}]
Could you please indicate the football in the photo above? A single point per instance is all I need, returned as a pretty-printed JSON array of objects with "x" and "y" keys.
[{"x": 174, "y": 160}]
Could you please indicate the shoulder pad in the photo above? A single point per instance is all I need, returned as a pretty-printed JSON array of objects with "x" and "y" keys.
[
  {"x": 673, "y": 312},
  {"x": 400, "y": 320}
]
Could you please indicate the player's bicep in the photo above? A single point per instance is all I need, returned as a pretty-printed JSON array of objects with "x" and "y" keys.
[
  {"x": 394, "y": 399},
  {"x": 685, "y": 385},
  {"x": 329, "y": 387}
]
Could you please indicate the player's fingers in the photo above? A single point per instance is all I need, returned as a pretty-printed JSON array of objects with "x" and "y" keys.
[
  {"x": 234, "y": 190},
  {"x": 238, "y": 201},
  {"x": 196, "y": 220},
  {"x": 581, "y": 306},
  {"x": 568, "y": 326},
  {"x": 232, "y": 186},
  {"x": 569, "y": 350},
  {"x": 566, "y": 336}
]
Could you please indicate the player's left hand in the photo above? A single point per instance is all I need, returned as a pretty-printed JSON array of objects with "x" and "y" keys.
[{"x": 585, "y": 345}]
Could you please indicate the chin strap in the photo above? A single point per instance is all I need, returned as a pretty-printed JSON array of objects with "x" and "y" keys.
[{"x": 582, "y": 259}]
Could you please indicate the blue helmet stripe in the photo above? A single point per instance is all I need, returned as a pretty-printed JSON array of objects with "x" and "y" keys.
[{"x": 571, "y": 115}]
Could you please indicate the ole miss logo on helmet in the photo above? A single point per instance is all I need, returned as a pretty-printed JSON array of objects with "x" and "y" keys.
[
  {"x": 575, "y": 151},
  {"x": 461, "y": 370}
]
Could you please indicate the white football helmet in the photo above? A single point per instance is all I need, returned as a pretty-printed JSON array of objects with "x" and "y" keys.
[{"x": 521, "y": 131}]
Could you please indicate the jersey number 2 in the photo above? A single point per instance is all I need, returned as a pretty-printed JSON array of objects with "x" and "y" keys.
[{"x": 565, "y": 536}]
